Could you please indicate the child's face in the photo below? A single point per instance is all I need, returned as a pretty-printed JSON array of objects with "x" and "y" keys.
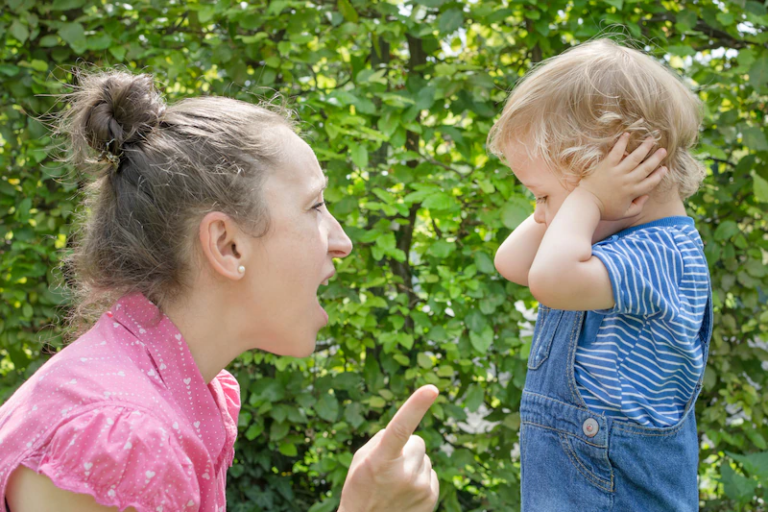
[{"x": 550, "y": 193}]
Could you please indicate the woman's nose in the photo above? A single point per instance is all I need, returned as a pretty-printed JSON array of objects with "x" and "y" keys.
[{"x": 339, "y": 244}]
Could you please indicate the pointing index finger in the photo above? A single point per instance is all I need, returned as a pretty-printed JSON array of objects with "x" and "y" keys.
[{"x": 406, "y": 420}]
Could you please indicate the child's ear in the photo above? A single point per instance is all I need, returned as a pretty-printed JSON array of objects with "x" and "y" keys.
[{"x": 571, "y": 182}]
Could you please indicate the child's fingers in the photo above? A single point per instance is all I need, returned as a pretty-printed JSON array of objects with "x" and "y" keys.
[
  {"x": 651, "y": 164},
  {"x": 638, "y": 155},
  {"x": 619, "y": 149},
  {"x": 652, "y": 181},
  {"x": 637, "y": 206}
]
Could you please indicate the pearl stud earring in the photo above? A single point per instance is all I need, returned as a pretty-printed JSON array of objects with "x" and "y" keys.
[{"x": 241, "y": 269}]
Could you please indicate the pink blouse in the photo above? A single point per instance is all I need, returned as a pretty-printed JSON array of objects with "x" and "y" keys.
[{"x": 124, "y": 414}]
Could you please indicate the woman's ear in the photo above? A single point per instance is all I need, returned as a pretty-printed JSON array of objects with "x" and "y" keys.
[{"x": 222, "y": 244}]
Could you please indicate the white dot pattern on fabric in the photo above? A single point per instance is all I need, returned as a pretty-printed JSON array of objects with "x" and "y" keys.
[{"x": 123, "y": 414}]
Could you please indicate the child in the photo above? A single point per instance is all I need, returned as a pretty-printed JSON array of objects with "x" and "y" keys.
[{"x": 625, "y": 316}]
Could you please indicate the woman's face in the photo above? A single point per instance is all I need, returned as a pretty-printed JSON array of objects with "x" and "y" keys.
[{"x": 285, "y": 268}]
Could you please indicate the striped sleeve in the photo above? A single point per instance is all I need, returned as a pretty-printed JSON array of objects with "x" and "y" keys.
[{"x": 646, "y": 274}]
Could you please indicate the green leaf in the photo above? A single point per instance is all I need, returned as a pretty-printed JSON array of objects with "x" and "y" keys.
[
  {"x": 99, "y": 42},
  {"x": 66, "y": 5},
  {"x": 474, "y": 398},
  {"x": 441, "y": 248},
  {"x": 481, "y": 341},
  {"x": 760, "y": 187},
  {"x": 288, "y": 449},
  {"x": 19, "y": 31},
  {"x": 359, "y": 154},
  {"x": 324, "y": 506},
  {"x": 327, "y": 407},
  {"x": 450, "y": 20},
  {"x": 377, "y": 402},
  {"x": 74, "y": 34},
  {"x": 278, "y": 430},
  {"x": 484, "y": 263},
  {"x": 118, "y": 52},
  {"x": 618, "y": 4},
  {"x": 205, "y": 13},
  {"x": 439, "y": 201},
  {"x": 353, "y": 414},
  {"x": 346, "y": 10},
  {"x": 9, "y": 69},
  {"x": 254, "y": 431},
  {"x": 736, "y": 486},
  {"x": 424, "y": 361},
  {"x": 754, "y": 138},
  {"x": 686, "y": 19},
  {"x": 515, "y": 212},
  {"x": 727, "y": 229},
  {"x": 476, "y": 321}
]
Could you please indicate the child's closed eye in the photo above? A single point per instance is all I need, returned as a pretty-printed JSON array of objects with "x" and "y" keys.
[{"x": 541, "y": 199}]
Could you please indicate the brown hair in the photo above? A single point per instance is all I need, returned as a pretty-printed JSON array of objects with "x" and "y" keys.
[
  {"x": 571, "y": 109},
  {"x": 159, "y": 169}
]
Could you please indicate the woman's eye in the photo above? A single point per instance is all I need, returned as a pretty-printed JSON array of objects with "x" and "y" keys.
[{"x": 319, "y": 205}]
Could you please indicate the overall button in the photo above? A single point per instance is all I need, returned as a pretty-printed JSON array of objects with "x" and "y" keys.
[{"x": 590, "y": 427}]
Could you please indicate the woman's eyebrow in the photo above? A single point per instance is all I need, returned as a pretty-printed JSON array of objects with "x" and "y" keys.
[{"x": 316, "y": 191}]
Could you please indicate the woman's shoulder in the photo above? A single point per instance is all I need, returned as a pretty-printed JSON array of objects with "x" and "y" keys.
[
  {"x": 94, "y": 370},
  {"x": 122, "y": 456}
]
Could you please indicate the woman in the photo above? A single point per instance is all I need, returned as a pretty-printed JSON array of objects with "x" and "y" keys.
[{"x": 208, "y": 236}]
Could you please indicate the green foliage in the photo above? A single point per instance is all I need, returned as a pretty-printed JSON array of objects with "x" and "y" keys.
[{"x": 397, "y": 99}]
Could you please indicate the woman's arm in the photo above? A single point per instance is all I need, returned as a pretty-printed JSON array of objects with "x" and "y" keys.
[
  {"x": 31, "y": 492},
  {"x": 515, "y": 256}
]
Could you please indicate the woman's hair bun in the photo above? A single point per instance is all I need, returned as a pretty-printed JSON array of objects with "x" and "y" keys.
[{"x": 109, "y": 112}]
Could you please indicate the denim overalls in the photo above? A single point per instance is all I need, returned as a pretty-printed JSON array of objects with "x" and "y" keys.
[{"x": 574, "y": 459}]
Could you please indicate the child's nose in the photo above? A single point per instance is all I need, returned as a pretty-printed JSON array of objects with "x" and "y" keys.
[{"x": 539, "y": 215}]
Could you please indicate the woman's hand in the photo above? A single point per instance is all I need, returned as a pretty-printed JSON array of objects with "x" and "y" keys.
[
  {"x": 620, "y": 186},
  {"x": 392, "y": 471}
]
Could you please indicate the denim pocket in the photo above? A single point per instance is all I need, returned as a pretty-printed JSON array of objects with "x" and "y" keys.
[
  {"x": 589, "y": 460},
  {"x": 543, "y": 333}
]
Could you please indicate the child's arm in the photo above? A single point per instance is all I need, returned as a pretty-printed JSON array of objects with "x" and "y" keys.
[
  {"x": 514, "y": 258},
  {"x": 564, "y": 274}
]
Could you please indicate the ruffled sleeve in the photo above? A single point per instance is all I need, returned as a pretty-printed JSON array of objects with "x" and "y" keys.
[
  {"x": 231, "y": 390},
  {"x": 230, "y": 396},
  {"x": 123, "y": 458}
]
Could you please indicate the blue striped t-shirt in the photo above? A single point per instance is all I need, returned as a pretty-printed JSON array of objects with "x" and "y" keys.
[{"x": 642, "y": 358}]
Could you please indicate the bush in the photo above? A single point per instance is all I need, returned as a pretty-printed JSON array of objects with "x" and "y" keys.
[{"x": 397, "y": 99}]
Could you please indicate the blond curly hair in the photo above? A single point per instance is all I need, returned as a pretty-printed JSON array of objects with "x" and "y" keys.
[{"x": 571, "y": 109}]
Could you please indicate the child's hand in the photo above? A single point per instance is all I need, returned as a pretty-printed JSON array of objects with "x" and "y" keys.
[{"x": 620, "y": 187}]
